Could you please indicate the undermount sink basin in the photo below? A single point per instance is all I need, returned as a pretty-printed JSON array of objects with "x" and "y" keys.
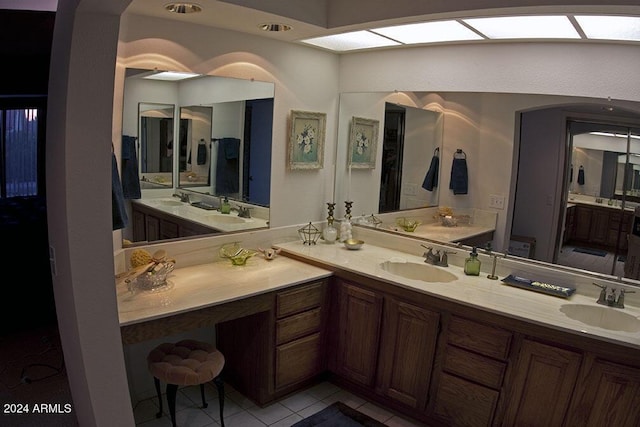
[
  {"x": 170, "y": 202},
  {"x": 602, "y": 317},
  {"x": 414, "y": 271},
  {"x": 225, "y": 219}
]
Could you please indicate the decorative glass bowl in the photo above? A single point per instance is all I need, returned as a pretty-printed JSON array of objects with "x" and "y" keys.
[
  {"x": 408, "y": 224},
  {"x": 156, "y": 278},
  {"x": 353, "y": 244},
  {"x": 449, "y": 221},
  {"x": 236, "y": 254}
]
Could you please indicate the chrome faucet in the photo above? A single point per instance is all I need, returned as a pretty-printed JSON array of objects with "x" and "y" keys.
[
  {"x": 439, "y": 258},
  {"x": 612, "y": 297},
  {"x": 184, "y": 197},
  {"x": 244, "y": 212}
]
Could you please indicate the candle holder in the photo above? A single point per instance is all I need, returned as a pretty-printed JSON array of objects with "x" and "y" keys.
[
  {"x": 347, "y": 208},
  {"x": 309, "y": 234},
  {"x": 330, "y": 234}
]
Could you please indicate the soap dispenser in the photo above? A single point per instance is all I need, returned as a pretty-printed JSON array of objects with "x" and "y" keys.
[
  {"x": 472, "y": 264},
  {"x": 225, "y": 206}
]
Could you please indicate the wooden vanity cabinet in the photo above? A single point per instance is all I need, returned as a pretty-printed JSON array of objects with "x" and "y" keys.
[
  {"x": 299, "y": 336},
  {"x": 384, "y": 343},
  {"x": 475, "y": 360},
  {"x": 151, "y": 224},
  {"x": 280, "y": 350},
  {"x": 600, "y": 226},
  {"x": 544, "y": 379}
]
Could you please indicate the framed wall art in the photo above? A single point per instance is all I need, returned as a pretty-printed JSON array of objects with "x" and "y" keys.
[
  {"x": 363, "y": 141},
  {"x": 306, "y": 142}
]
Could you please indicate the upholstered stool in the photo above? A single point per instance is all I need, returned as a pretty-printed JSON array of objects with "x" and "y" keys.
[{"x": 186, "y": 363}]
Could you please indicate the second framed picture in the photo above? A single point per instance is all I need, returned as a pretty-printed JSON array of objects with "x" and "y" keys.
[{"x": 363, "y": 141}]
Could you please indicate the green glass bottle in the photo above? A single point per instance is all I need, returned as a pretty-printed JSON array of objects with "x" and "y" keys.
[{"x": 472, "y": 264}]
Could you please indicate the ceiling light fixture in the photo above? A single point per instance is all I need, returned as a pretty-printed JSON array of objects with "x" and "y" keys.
[
  {"x": 525, "y": 27},
  {"x": 274, "y": 27},
  {"x": 428, "y": 32},
  {"x": 610, "y": 27},
  {"x": 170, "y": 76},
  {"x": 183, "y": 8},
  {"x": 351, "y": 41}
]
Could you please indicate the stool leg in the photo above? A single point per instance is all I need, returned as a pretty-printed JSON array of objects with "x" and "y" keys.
[
  {"x": 204, "y": 402},
  {"x": 172, "y": 390},
  {"x": 157, "y": 382},
  {"x": 220, "y": 384}
]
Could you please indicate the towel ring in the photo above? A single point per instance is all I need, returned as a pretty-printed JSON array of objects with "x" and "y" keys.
[
  {"x": 459, "y": 154},
  {"x": 436, "y": 152}
]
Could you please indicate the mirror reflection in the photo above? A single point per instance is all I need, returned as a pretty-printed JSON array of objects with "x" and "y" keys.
[
  {"x": 156, "y": 143},
  {"x": 411, "y": 132},
  {"x": 219, "y": 146},
  {"x": 602, "y": 188}
]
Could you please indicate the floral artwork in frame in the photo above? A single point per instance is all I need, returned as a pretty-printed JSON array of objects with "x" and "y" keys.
[
  {"x": 363, "y": 143},
  {"x": 306, "y": 142}
]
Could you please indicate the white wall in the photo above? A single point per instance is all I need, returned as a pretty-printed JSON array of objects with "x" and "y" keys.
[{"x": 305, "y": 79}]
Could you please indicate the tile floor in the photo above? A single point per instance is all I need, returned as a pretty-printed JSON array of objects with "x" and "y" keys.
[{"x": 241, "y": 412}]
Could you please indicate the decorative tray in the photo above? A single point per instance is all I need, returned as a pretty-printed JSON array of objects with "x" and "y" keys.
[{"x": 534, "y": 285}]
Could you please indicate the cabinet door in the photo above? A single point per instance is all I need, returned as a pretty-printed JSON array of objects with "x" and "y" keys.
[
  {"x": 599, "y": 226},
  {"x": 608, "y": 396},
  {"x": 542, "y": 386},
  {"x": 360, "y": 312},
  {"x": 139, "y": 226},
  {"x": 583, "y": 223},
  {"x": 153, "y": 228},
  {"x": 408, "y": 342}
]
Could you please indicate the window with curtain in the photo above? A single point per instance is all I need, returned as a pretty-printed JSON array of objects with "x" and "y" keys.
[{"x": 21, "y": 147}]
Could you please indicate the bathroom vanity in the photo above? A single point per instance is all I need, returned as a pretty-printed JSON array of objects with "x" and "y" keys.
[{"x": 444, "y": 348}]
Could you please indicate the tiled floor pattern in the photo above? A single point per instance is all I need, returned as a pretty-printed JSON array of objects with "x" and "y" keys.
[{"x": 241, "y": 412}]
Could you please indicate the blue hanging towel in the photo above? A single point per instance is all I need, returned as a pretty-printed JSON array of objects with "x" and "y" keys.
[
  {"x": 581, "y": 175},
  {"x": 459, "y": 176},
  {"x": 118, "y": 210},
  {"x": 228, "y": 166},
  {"x": 202, "y": 153},
  {"x": 431, "y": 178},
  {"x": 130, "y": 176}
]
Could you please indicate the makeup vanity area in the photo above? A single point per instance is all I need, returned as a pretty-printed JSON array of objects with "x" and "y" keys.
[{"x": 457, "y": 350}]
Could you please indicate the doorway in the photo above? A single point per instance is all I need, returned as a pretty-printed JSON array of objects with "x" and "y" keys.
[
  {"x": 392, "y": 149},
  {"x": 601, "y": 193}
]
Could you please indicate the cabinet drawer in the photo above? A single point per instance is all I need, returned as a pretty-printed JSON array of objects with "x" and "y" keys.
[
  {"x": 480, "y": 338},
  {"x": 472, "y": 366},
  {"x": 463, "y": 403},
  {"x": 299, "y": 299},
  {"x": 297, "y": 326},
  {"x": 298, "y": 360}
]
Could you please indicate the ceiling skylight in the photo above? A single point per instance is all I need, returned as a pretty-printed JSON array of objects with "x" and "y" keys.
[
  {"x": 351, "y": 41},
  {"x": 532, "y": 27},
  {"x": 610, "y": 27},
  {"x": 429, "y": 32},
  {"x": 525, "y": 27},
  {"x": 170, "y": 76}
]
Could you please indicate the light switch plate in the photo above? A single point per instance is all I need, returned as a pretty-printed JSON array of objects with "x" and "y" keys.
[{"x": 496, "y": 202}]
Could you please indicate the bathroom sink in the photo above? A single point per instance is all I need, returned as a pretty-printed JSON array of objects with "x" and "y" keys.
[
  {"x": 414, "y": 271},
  {"x": 226, "y": 219},
  {"x": 602, "y": 317}
]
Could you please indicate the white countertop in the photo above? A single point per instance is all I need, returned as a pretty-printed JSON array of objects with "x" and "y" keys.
[
  {"x": 212, "y": 284},
  {"x": 437, "y": 231},
  {"x": 210, "y": 218},
  {"x": 475, "y": 291}
]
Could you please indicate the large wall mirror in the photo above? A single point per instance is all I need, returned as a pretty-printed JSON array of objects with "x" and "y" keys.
[
  {"x": 410, "y": 134},
  {"x": 207, "y": 137},
  {"x": 156, "y": 144}
]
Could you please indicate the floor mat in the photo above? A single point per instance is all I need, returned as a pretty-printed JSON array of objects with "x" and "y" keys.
[
  {"x": 590, "y": 251},
  {"x": 339, "y": 415}
]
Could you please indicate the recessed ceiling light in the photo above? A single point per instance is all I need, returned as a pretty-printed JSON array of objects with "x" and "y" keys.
[
  {"x": 274, "y": 27},
  {"x": 525, "y": 27},
  {"x": 352, "y": 41},
  {"x": 183, "y": 7},
  {"x": 170, "y": 75},
  {"x": 428, "y": 32},
  {"x": 610, "y": 27}
]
